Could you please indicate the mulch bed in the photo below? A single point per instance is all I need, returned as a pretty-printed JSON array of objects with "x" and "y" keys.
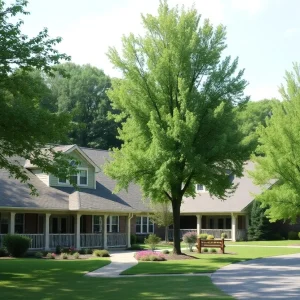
[{"x": 179, "y": 257}]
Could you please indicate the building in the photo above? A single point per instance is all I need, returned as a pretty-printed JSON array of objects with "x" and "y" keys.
[{"x": 93, "y": 216}]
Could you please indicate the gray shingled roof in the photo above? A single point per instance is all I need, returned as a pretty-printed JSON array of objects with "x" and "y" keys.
[
  {"x": 16, "y": 194},
  {"x": 242, "y": 197}
]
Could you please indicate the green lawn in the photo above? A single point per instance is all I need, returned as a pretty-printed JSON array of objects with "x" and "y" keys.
[
  {"x": 207, "y": 262},
  {"x": 267, "y": 243},
  {"x": 53, "y": 279}
]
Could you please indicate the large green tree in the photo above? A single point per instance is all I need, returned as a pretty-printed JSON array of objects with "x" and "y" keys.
[
  {"x": 25, "y": 128},
  {"x": 177, "y": 98},
  {"x": 83, "y": 93},
  {"x": 250, "y": 117},
  {"x": 278, "y": 161}
]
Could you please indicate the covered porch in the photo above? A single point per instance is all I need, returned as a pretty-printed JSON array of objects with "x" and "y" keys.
[
  {"x": 49, "y": 230},
  {"x": 233, "y": 225}
]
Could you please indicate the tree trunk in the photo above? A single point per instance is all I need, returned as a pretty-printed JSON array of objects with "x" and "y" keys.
[
  {"x": 176, "y": 225},
  {"x": 166, "y": 234}
]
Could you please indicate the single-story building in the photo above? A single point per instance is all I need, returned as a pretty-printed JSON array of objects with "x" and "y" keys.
[{"x": 93, "y": 216}]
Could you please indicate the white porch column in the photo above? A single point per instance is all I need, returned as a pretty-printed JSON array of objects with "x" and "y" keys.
[
  {"x": 233, "y": 227},
  {"x": 77, "y": 231},
  {"x": 46, "y": 231},
  {"x": 105, "y": 232},
  {"x": 130, "y": 216},
  {"x": 12, "y": 223},
  {"x": 199, "y": 218}
]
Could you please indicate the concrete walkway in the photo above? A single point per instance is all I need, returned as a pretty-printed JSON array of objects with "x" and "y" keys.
[
  {"x": 120, "y": 261},
  {"x": 268, "y": 278}
]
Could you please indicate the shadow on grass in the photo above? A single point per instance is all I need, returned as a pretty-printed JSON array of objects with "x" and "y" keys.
[{"x": 47, "y": 279}]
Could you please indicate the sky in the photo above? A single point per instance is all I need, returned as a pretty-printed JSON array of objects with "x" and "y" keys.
[{"x": 264, "y": 34}]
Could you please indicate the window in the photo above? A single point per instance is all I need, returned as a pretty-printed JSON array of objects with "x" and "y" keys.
[
  {"x": 144, "y": 225},
  {"x": 83, "y": 177},
  {"x": 97, "y": 224},
  {"x": 73, "y": 179},
  {"x": 19, "y": 223},
  {"x": 113, "y": 224},
  {"x": 3, "y": 223},
  {"x": 200, "y": 188},
  {"x": 80, "y": 178},
  {"x": 62, "y": 180}
]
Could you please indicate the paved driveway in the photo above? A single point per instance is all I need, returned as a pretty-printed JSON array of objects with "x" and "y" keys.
[{"x": 268, "y": 278}]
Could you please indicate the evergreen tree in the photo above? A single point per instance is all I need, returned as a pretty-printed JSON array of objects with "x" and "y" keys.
[{"x": 259, "y": 224}]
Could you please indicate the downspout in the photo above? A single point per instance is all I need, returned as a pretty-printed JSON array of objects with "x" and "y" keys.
[{"x": 130, "y": 216}]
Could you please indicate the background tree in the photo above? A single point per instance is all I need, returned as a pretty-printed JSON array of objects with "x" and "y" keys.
[
  {"x": 278, "y": 163},
  {"x": 25, "y": 127},
  {"x": 259, "y": 224},
  {"x": 83, "y": 93},
  {"x": 177, "y": 99},
  {"x": 162, "y": 216},
  {"x": 252, "y": 115}
]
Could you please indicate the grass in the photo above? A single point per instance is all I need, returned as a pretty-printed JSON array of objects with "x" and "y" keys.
[
  {"x": 206, "y": 263},
  {"x": 266, "y": 243},
  {"x": 60, "y": 279}
]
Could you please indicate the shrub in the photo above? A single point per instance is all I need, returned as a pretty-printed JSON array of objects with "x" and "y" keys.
[
  {"x": 277, "y": 236},
  {"x": 101, "y": 253},
  {"x": 205, "y": 250},
  {"x": 152, "y": 241},
  {"x": 133, "y": 239},
  {"x": 210, "y": 237},
  {"x": 292, "y": 235},
  {"x": 85, "y": 251},
  {"x": 68, "y": 250},
  {"x": 190, "y": 238},
  {"x": 213, "y": 250},
  {"x": 38, "y": 254},
  {"x": 3, "y": 252},
  {"x": 166, "y": 251},
  {"x": 16, "y": 245},
  {"x": 64, "y": 255},
  {"x": 51, "y": 255},
  {"x": 76, "y": 255},
  {"x": 224, "y": 235},
  {"x": 149, "y": 255},
  {"x": 135, "y": 247},
  {"x": 57, "y": 249},
  {"x": 299, "y": 235},
  {"x": 203, "y": 236}
]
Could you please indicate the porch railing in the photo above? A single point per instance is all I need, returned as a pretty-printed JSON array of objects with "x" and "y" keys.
[
  {"x": 182, "y": 232},
  {"x": 116, "y": 239},
  {"x": 91, "y": 240},
  {"x": 217, "y": 232},
  {"x": 37, "y": 240},
  {"x": 61, "y": 239}
]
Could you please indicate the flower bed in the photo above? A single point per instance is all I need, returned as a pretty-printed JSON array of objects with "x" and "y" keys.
[{"x": 149, "y": 255}]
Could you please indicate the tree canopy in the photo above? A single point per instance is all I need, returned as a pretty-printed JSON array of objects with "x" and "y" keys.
[
  {"x": 278, "y": 160},
  {"x": 177, "y": 99},
  {"x": 83, "y": 94},
  {"x": 25, "y": 128},
  {"x": 252, "y": 115}
]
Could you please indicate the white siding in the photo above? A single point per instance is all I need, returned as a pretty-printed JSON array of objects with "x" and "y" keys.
[{"x": 41, "y": 176}]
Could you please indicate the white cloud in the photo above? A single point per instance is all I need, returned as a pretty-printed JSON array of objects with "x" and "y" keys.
[{"x": 251, "y": 6}]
